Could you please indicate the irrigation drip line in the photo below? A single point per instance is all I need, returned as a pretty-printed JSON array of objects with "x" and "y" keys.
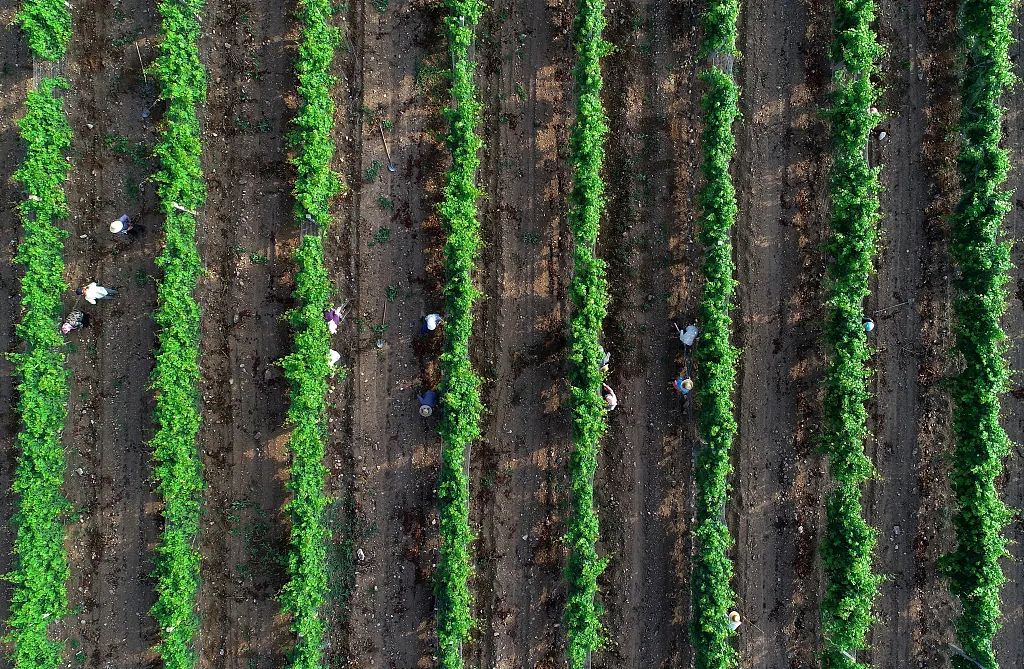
[{"x": 960, "y": 651}]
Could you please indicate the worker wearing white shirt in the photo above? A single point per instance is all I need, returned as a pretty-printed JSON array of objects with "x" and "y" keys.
[
  {"x": 430, "y": 323},
  {"x": 332, "y": 358},
  {"x": 94, "y": 292},
  {"x": 689, "y": 335}
]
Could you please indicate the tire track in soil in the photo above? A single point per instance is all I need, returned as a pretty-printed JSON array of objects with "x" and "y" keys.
[
  {"x": 394, "y": 241},
  {"x": 110, "y": 405},
  {"x": 1009, "y": 642},
  {"x": 518, "y": 468},
  {"x": 776, "y": 512},
  {"x": 909, "y": 302},
  {"x": 246, "y": 236},
  {"x": 643, "y": 481},
  {"x": 15, "y": 78}
]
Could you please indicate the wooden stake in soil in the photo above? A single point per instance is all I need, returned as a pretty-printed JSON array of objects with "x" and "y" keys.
[{"x": 391, "y": 166}]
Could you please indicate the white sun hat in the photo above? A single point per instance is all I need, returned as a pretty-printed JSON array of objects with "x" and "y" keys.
[{"x": 116, "y": 227}]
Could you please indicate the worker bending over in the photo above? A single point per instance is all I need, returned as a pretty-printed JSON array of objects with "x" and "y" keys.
[
  {"x": 430, "y": 323},
  {"x": 610, "y": 400},
  {"x": 76, "y": 320},
  {"x": 333, "y": 318},
  {"x": 93, "y": 292},
  {"x": 687, "y": 336},
  {"x": 683, "y": 384},
  {"x": 428, "y": 401}
]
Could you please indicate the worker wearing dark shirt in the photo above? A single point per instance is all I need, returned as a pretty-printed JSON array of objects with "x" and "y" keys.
[{"x": 428, "y": 401}]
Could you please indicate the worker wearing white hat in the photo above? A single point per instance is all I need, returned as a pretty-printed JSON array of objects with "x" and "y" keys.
[{"x": 122, "y": 226}]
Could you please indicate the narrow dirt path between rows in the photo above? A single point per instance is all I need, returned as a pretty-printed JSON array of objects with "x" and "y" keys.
[
  {"x": 246, "y": 235},
  {"x": 518, "y": 470},
  {"x": 394, "y": 260},
  {"x": 909, "y": 303},
  {"x": 776, "y": 510},
  {"x": 15, "y": 76},
  {"x": 649, "y": 241},
  {"x": 112, "y": 533}
]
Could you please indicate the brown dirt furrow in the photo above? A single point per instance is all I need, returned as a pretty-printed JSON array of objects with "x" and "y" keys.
[
  {"x": 341, "y": 516},
  {"x": 393, "y": 251},
  {"x": 776, "y": 510},
  {"x": 15, "y": 75},
  {"x": 110, "y": 544},
  {"x": 931, "y": 610},
  {"x": 245, "y": 237},
  {"x": 518, "y": 469},
  {"x": 908, "y": 295},
  {"x": 1010, "y": 642},
  {"x": 649, "y": 243}
]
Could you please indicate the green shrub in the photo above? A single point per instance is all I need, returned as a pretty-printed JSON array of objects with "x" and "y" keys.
[
  {"x": 716, "y": 357},
  {"x": 306, "y": 368},
  {"x": 982, "y": 261},
  {"x": 848, "y": 542},
  {"x": 40, "y": 572},
  {"x": 588, "y": 291},
  {"x": 460, "y": 386},
  {"x": 47, "y": 24},
  {"x": 177, "y": 470}
]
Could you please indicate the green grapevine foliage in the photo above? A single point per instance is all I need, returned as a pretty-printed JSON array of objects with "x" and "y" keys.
[
  {"x": 848, "y": 542},
  {"x": 47, "y": 24},
  {"x": 711, "y": 587},
  {"x": 40, "y": 562},
  {"x": 982, "y": 261},
  {"x": 306, "y": 367},
  {"x": 460, "y": 387},
  {"x": 177, "y": 467},
  {"x": 589, "y": 293}
]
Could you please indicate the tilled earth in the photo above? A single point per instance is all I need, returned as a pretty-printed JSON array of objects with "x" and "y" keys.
[{"x": 385, "y": 261}]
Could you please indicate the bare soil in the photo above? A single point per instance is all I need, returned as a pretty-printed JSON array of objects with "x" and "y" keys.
[
  {"x": 110, "y": 544},
  {"x": 518, "y": 469},
  {"x": 14, "y": 83},
  {"x": 780, "y": 175},
  {"x": 384, "y": 250},
  {"x": 649, "y": 242}
]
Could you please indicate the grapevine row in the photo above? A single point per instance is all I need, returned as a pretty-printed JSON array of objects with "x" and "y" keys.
[
  {"x": 848, "y": 542},
  {"x": 40, "y": 571},
  {"x": 982, "y": 261},
  {"x": 47, "y": 25},
  {"x": 460, "y": 386},
  {"x": 716, "y": 357},
  {"x": 177, "y": 467},
  {"x": 589, "y": 293},
  {"x": 306, "y": 368}
]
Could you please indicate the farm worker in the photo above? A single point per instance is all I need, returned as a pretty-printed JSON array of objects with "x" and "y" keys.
[
  {"x": 689, "y": 335},
  {"x": 94, "y": 292},
  {"x": 122, "y": 226},
  {"x": 430, "y": 323},
  {"x": 683, "y": 384},
  {"x": 428, "y": 401},
  {"x": 734, "y": 621},
  {"x": 76, "y": 320},
  {"x": 333, "y": 318},
  {"x": 332, "y": 358},
  {"x": 606, "y": 359},
  {"x": 869, "y": 325},
  {"x": 610, "y": 400}
]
